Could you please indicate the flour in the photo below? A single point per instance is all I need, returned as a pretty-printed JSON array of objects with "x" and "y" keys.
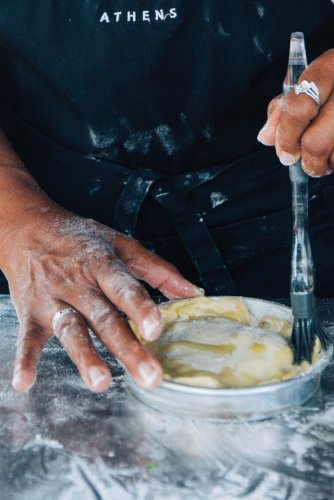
[
  {"x": 300, "y": 445},
  {"x": 217, "y": 199},
  {"x": 95, "y": 189},
  {"x": 204, "y": 176},
  {"x": 139, "y": 142},
  {"x": 258, "y": 45},
  {"x": 167, "y": 139},
  {"x": 96, "y": 239},
  {"x": 105, "y": 140},
  {"x": 207, "y": 14},
  {"x": 39, "y": 441},
  {"x": 222, "y": 32},
  {"x": 62, "y": 442},
  {"x": 260, "y": 9},
  {"x": 208, "y": 133}
]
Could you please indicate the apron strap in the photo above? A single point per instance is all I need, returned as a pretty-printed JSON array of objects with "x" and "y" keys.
[
  {"x": 132, "y": 197},
  {"x": 189, "y": 225}
]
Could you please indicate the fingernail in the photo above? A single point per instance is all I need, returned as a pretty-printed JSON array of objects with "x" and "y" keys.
[
  {"x": 200, "y": 291},
  {"x": 148, "y": 374},
  {"x": 17, "y": 379},
  {"x": 308, "y": 171},
  {"x": 287, "y": 158},
  {"x": 152, "y": 328},
  {"x": 329, "y": 172},
  {"x": 17, "y": 382},
  {"x": 96, "y": 376},
  {"x": 260, "y": 137}
]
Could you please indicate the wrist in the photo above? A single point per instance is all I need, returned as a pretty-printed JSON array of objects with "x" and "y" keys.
[{"x": 21, "y": 229}]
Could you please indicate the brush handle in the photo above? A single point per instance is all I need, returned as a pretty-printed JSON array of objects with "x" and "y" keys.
[{"x": 302, "y": 270}]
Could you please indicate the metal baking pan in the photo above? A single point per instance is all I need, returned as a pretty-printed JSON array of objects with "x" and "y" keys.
[{"x": 251, "y": 403}]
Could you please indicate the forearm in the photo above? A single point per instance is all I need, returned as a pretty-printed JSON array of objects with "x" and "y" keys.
[
  {"x": 18, "y": 189},
  {"x": 21, "y": 198}
]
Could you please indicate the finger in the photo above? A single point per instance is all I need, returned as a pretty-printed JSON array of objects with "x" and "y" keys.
[
  {"x": 317, "y": 142},
  {"x": 114, "y": 331},
  {"x": 31, "y": 341},
  {"x": 72, "y": 332},
  {"x": 299, "y": 110},
  {"x": 130, "y": 297},
  {"x": 154, "y": 270},
  {"x": 267, "y": 134}
]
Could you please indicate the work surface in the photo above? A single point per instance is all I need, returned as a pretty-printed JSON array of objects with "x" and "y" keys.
[{"x": 60, "y": 441}]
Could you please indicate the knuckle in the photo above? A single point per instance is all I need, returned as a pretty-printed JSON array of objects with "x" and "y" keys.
[
  {"x": 299, "y": 109},
  {"x": 291, "y": 113},
  {"x": 69, "y": 325},
  {"x": 103, "y": 317},
  {"x": 313, "y": 146},
  {"x": 126, "y": 291},
  {"x": 130, "y": 261},
  {"x": 127, "y": 348},
  {"x": 147, "y": 309},
  {"x": 275, "y": 103},
  {"x": 125, "y": 287}
]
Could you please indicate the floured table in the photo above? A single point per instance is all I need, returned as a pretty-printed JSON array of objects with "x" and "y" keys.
[{"x": 60, "y": 441}]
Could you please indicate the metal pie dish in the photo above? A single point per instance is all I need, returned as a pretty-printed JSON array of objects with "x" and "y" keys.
[{"x": 246, "y": 403}]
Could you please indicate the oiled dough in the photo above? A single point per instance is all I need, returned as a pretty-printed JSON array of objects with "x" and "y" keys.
[
  {"x": 217, "y": 343},
  {"x": 218, "y": 352}
]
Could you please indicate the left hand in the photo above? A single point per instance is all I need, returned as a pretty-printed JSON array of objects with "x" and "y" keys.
[{"x": 298, "y": 128}]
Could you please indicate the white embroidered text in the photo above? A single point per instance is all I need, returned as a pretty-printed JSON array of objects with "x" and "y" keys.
[{"x": 132, "y": 16}]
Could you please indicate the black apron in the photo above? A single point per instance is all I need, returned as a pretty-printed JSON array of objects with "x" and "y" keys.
[{"x": 145, "y": 118}]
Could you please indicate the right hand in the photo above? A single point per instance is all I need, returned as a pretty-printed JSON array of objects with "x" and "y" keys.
[
  {"x": 298, "y": 128},
  {"x": 58, "y": 260}
]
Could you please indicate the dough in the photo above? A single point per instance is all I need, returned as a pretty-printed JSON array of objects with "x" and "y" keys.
[{"x": 218, "y": 343}]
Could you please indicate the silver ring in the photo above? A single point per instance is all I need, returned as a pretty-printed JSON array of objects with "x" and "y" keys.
[
  {"x": 310, "y": 89},
  {"x": 59, "y": 314}
]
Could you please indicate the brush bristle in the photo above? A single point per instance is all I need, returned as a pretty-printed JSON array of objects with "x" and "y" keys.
[{"x": 304, "y": 333}]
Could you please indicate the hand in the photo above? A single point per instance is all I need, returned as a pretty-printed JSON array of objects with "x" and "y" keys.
[
  {"x": 58, "y": 260},
  {"x": 298, "y": 128}
]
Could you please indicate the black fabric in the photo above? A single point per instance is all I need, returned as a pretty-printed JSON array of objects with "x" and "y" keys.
[
  {"x": 176, "y": 95},
  {"x": 246, "y": 206},
  {"x": 88, "y": 100},
  {"x": 189, "y": 224}
]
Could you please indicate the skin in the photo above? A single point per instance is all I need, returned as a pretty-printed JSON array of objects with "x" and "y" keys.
[
  {"x": 53, "y": 260},
  {"x": 298, "y": 128}
]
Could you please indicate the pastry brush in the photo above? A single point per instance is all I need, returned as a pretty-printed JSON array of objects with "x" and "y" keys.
[{"x": 306, "y": 325}]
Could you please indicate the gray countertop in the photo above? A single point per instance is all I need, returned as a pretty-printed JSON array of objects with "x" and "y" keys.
[{"x": 59, "y": 441}]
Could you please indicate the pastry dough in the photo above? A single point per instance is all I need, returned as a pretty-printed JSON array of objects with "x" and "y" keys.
[{"x": 218, "y": 343}]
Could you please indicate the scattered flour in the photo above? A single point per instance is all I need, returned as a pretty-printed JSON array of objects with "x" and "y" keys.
[
  {"x": 38, "y": 440},
  {"x": 167, "y": 139},
  {"x": 217, "y": 199},
  {"x": 260, "y": 9}
]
